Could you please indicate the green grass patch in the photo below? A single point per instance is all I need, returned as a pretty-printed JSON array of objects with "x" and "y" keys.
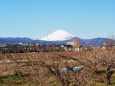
[{"x": 13, "y": 80}]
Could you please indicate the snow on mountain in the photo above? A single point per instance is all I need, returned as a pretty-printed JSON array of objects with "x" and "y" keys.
[{"x": 58, "y": 35}]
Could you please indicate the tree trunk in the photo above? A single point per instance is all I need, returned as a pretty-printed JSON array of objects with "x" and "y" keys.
[
  {"x": 106, "y": 82},
  {"x": 65, "y": 83},
  {"x": 108, "y": 76}
]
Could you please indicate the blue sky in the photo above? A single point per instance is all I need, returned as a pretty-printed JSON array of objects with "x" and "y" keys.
[{"x": 37, "y": 18}]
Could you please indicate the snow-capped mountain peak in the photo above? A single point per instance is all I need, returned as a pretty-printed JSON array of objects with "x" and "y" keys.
[{"x": 58, "y": 35}]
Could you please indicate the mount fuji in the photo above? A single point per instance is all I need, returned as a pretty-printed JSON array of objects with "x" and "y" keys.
[{"x": 58, "y": 35}]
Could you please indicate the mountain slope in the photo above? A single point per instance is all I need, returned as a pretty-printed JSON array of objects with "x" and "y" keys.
[
  {"x": 10, "y": 40},
  {"x": 58, "y": 35},
  {"x": 96, "y": 41}
]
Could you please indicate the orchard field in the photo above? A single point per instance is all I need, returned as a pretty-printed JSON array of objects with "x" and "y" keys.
[{"x": 58, "y": 68}]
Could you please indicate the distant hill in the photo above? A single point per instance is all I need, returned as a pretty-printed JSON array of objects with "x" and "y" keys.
[
  {"x": 9, "y": 40},
  {"x": 96, "y": 41}
]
